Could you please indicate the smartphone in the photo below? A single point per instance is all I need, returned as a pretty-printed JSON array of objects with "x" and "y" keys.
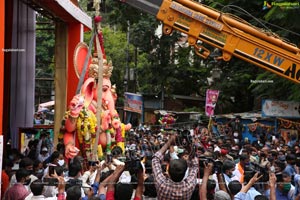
[
  {"x": 93, "y": 163},
  {"x": 279, "y": 177}
]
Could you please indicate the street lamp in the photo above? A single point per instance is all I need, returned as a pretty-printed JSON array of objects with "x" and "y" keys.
[
  {"x": 216, "y": 73},
  {"x": 215, "y": 69}
]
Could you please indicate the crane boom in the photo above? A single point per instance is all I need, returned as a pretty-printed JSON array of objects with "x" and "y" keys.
[{"x": 233, "y": 36}]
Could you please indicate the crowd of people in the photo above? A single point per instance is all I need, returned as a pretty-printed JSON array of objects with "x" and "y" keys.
[{"x": 181, "y": 164}]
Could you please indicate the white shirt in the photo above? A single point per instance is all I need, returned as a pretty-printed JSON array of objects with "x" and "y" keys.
[
  {"x": 88, "y": 177},
  {"x": 39, "y": 197},
  {"x": 42, "y": 158},
  {"x": 13, "y": 181},
  {"x": 227, "y": 180},
  {"x": 217, "y": 148},
  {"x": 251, "y": 194},
  {"x": 50, "y": 191},
  {"x": 173, "y": 155}
]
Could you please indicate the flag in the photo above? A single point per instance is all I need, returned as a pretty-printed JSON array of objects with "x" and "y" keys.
[{"x": 211, "y": 101}]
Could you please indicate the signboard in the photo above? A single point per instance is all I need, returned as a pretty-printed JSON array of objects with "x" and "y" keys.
[
  {"x": 211, "y": 101},
  {"x": 133, "y": 102},
  {"x": 271, "y": 108}
]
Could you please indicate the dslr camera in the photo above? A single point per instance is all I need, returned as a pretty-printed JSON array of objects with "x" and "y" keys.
[
  {"x": 217, "y": 163},
  {"x": 184, "y": 138},
  {"x": 263, "y": 171},
  {"x": 73, "y": 182},
  {"x": 132, "y": 162}
]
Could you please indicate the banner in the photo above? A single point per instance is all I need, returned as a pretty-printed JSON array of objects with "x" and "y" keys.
[
  {"x": 133, "y": 102},
  {"x": 211, "y": 101},
  {"x": 272, "y": 108}
]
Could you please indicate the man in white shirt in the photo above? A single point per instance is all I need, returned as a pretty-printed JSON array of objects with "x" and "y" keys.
[
  {"x": 25, "y": 163},
  {"x": 89, "y": 176},
  {"x": 37, "y": 188},
  {"x": 44, "y": 154},
  {"x": 240, "y": 167},
  {"x": 228, "y": 168}
]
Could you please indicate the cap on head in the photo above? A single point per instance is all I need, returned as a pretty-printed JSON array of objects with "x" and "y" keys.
[{"x": 221, "y": 195}]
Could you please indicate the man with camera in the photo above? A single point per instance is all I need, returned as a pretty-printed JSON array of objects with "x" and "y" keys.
[
  {"x": 174, "y": 186},
  {"x": 227, "y": 169},
  {"x": 111, "y": 189},
  {"x": 284, "y": 190},
  {"x": 203, "y": 193},
  {"x": 37, "y": 188}
]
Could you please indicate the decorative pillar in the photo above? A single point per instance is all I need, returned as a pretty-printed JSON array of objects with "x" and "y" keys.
[{"x": 61, "y": 37}]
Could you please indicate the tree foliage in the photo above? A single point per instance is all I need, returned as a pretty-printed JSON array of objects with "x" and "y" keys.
[
  {"x": 45, "y": 41},
  {"x": 44, "y": 68}
]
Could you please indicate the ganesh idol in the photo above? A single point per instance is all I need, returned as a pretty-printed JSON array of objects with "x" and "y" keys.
[{"x": 80, "y": 120}]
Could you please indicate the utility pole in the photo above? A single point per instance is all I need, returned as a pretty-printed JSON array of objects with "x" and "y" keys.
[
  {"x": 162, "y": 100},
  {"x": 127, "y": 75},
  {"x": 135, "y": 68}
]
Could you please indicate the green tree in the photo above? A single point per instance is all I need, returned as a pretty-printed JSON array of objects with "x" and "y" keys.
[{"x": 44, "y": 69}]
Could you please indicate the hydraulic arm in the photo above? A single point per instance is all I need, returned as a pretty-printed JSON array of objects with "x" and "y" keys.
[{"x": 229, "y": 33}]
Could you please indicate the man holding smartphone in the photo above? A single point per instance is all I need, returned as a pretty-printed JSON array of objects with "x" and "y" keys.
[
  {"x": 89, "y": 176},
  {"x": 284, "y": 188}
]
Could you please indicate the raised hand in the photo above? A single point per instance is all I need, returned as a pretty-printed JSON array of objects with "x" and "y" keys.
[
  {"x": 208, "y": 168},
  {"x": 272, "y": 179},
  {"x": 255, "y": 178}
]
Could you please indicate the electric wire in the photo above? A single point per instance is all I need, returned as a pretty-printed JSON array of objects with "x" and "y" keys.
[{"x": 263, "y": 23}]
